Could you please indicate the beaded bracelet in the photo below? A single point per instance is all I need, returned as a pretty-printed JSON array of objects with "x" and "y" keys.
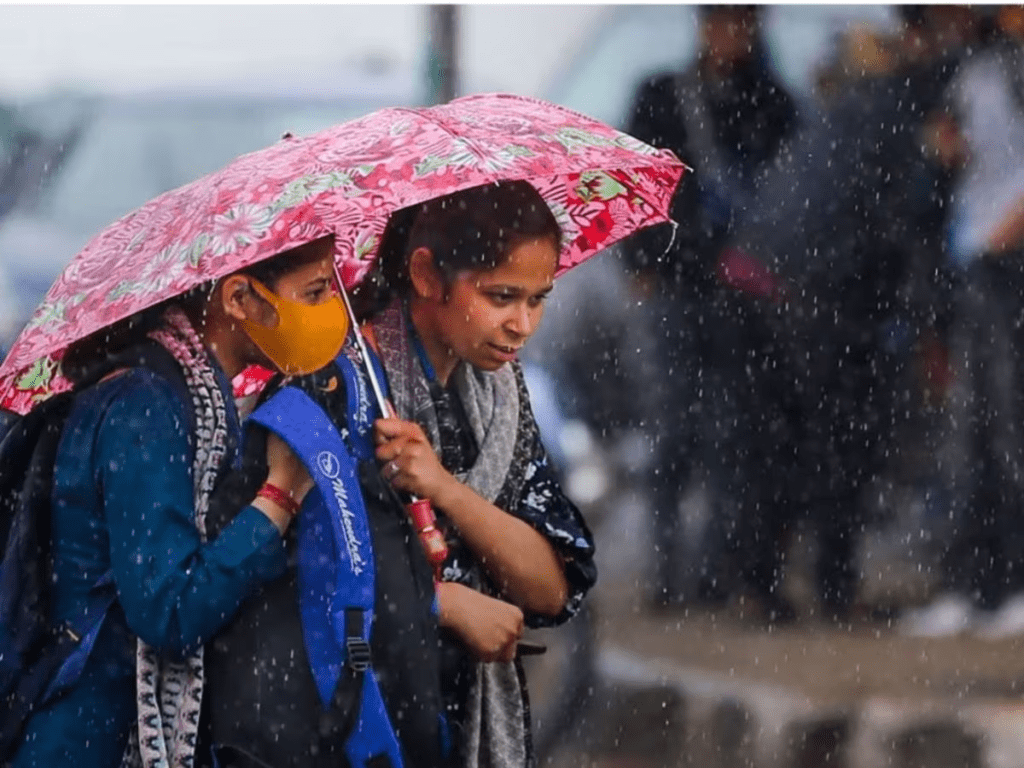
[{"x": 272, "y": 493}]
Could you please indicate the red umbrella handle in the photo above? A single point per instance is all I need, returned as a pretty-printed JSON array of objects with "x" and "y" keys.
[
  {"x": 421, "y": 512},
  {"x": 425, "y": 523}
]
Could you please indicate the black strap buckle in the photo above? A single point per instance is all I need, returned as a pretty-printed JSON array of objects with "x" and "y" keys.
[{"x": 359, "y": 657}]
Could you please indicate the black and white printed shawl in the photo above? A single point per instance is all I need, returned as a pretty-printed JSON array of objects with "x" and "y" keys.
[
  {"x": 510, "y": 468},
  {"x": 169, "y": 693}
]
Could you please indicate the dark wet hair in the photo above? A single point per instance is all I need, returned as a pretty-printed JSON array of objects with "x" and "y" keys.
[
  {"x": 269, "y": 271},
  {"x": 474, "y": 229},
  {"x": 82, "y": 356}
]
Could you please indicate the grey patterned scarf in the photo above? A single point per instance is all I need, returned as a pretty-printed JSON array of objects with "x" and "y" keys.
[
  {"x": 497, "y": 727},
  {"x": 169, "y": 693}
]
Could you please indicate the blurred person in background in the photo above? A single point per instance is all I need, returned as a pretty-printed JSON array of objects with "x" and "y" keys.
[
  {"x": 841, "y": 229},
  {"x": 728, "y": 117},
  {"x": 981, "y": 458}
]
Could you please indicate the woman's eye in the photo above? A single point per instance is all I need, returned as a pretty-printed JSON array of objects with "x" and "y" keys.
[
  {"x": 537, "y": 301},
  {"x": 502, "y": 298}
]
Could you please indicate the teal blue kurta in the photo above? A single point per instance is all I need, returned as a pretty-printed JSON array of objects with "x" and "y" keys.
[{"x": 123, "y": 502}]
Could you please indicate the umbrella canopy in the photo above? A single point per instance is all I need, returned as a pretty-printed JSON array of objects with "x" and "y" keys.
[{"x": 600, "y": 183}]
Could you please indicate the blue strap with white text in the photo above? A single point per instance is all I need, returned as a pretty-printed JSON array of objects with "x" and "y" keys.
[{"x": 335, "y": 554}]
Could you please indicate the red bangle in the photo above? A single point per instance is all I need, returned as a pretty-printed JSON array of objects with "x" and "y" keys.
[{"x": 272, "y": 493}]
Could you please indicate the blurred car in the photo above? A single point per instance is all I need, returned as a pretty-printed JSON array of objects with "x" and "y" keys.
[
  {"x": 633, "y": 42},
  {"x": 100, "y": 156}
]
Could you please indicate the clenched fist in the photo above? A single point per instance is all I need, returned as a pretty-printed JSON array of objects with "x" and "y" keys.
[{"x": 489, "y": 628}]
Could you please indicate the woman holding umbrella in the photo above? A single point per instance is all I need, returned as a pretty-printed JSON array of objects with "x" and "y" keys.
[
  {"x": 601, "y": 186},
  {"x": 460, "y": 287},
  {"x": 141, "y": 450}
]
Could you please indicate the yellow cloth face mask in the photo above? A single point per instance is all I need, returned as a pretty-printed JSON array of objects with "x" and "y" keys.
[{"x": 306, "y": 338}]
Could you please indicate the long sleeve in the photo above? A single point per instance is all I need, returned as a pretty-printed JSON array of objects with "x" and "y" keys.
[
  {"x": 176, "y": 590},
  {"x": 541, "y": 502},
  {"x": 544, "y": 505},
  {"x": 531, "y": 492}
]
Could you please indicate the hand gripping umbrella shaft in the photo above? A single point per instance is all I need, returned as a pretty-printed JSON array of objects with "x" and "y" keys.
[{"x": 419, "y": 510}]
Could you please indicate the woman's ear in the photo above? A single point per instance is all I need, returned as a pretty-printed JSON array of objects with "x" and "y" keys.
[
  {"x": 424, "y": 276},
  {"x": 232, "y": 297}
]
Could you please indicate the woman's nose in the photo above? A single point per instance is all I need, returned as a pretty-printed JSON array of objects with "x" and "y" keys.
[{"x": 524, "y": 321}]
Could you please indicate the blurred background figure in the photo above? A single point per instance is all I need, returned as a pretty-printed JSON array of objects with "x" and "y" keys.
[
  {"x": 728, "y": 117},
  {"x": 841, "y": 234},
  {"x": 981, "y": 458}
]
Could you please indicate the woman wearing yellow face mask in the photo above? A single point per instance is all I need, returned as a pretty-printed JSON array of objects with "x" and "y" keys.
[
  {"x": 152, "y": 431},
  {"x": 283, "y": 688},
  {"x": 297, "y": 337}
]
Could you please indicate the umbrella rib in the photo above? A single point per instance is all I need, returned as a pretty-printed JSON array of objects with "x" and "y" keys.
[{"x": 470, "y": 144}]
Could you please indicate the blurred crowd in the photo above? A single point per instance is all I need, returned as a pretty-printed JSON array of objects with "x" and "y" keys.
[{"x": 842, "y": 300}]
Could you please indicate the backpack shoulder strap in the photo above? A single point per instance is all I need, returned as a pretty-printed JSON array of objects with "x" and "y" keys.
[
  {"x": 19, "y": 448},
  {"x": 336, "y": 570},
  {"x": 361, "y": 410}
]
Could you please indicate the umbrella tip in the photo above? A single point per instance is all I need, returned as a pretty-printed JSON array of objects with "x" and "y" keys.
[{"x": 287, "y": 135}]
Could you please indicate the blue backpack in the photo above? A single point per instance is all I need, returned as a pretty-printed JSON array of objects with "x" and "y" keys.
[
  {"x": 38, "y": 660},
  {"x": 309, "y": 673}
]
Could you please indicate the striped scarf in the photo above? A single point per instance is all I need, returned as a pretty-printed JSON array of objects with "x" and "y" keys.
[{"x": 169, "y": 693}]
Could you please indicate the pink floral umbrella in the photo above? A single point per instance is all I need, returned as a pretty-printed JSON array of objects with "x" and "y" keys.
[{"x": 601, "y": 184}]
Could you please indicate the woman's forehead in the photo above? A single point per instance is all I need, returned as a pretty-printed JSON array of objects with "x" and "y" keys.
[{"x": 529, "y": 263}]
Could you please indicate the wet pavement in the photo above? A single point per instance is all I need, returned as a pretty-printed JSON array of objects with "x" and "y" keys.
[{"x": 724, "y": 690}]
